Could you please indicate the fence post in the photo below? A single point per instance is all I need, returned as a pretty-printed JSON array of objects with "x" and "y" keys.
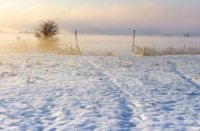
[
  {"x": 133, "y": 40},
  {"x": 144, "y": 51},
  {"x": 184, "y": 49},
  {"x": 76, "y": 38},
  {"x": 77, "y": 46},
  {"x": 134, "y": 37}
]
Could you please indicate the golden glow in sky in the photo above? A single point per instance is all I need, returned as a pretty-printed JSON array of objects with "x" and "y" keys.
[{"x": 148, "y": 16}]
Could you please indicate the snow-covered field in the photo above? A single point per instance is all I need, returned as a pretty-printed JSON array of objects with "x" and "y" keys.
[{"x": 55, "y": 92}]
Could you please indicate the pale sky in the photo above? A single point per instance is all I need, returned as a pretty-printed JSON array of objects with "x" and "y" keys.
[{"x": 146, "y": 16}]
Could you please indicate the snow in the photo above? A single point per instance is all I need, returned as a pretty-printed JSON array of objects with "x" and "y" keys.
[{"x": 55, "y": 92}]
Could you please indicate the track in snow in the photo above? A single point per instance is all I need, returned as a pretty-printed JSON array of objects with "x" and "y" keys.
[{"x": 51, "y": 92}]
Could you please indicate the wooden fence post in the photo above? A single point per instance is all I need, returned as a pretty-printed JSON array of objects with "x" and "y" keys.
[
  {"x": 133, "y": 40},
  {"x": 184, "y": 49},
  {"x": 144, "y": 51},
  {"x": 77, "y": 45},
  {"x": 76, "y": 38}
]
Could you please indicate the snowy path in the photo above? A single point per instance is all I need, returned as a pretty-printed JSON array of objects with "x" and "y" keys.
[{"x": 52, "y": 92}]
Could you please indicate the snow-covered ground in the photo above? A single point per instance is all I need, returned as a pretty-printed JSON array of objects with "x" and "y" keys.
[{"x": 55, "y": 92}]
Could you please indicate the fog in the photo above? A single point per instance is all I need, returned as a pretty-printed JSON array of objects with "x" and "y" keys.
[{"x": 91, "y": 43}]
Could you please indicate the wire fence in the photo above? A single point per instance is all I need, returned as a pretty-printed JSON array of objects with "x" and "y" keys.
[
  {"x": 104, "y": 44},
  {"x": 152, "y": 51}
]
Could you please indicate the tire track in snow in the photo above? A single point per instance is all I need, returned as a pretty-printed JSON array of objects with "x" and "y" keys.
[
  {"x": 126, "y": 88},
  {"x": 126, "y": 106},
  {"x": 181, "y": 75},
  {"x": 136, "y": 85}
]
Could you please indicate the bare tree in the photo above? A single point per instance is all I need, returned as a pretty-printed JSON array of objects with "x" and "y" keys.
[
  {"x": 47, "y": 29},
  {"x": 46, "y": 32}
]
